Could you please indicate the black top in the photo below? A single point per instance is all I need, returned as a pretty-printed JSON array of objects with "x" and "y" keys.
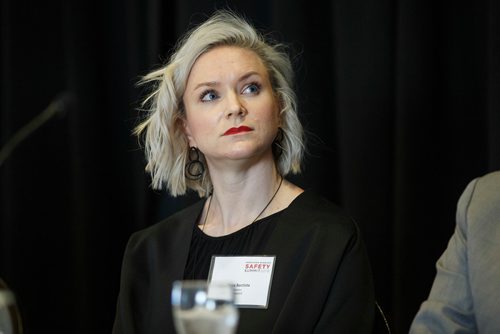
[
  {"x": 246, "y": 241},
  {"x": 322, "y": 280}
]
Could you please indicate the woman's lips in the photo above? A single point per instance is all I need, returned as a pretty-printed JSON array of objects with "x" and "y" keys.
[{"x": 237, "y": 130}]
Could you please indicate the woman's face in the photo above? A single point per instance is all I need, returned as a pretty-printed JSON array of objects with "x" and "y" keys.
[{"x": 232, "y": 113}]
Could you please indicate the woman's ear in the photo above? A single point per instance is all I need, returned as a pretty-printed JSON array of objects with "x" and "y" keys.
[{"x": 187, "y": 132}]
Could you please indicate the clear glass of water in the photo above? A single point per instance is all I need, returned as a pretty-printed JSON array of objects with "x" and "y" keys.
[{"x": 203, "y": 307}]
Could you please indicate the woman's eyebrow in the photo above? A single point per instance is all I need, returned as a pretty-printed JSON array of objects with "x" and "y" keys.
[
  {"x": 215, "y": 83},
  {"x": 249, "y": 74},
  {"x": 208, "y": 83}
]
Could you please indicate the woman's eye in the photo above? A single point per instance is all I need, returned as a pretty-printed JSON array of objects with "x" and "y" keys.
[
  {"x": 208, "y": 95},
  {"x": 253, "y": 88}
]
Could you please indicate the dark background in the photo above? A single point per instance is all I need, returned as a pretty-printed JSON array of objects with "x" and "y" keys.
[{"x": 401, "y": 100}]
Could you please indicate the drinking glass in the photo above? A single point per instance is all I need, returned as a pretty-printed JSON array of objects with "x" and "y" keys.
[
  {"x": 7, "y": 324},
  {"x": 203, "y": 307}
]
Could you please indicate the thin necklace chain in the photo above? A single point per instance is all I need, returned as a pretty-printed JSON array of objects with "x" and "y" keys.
[
  {"x": 205, "y": 220},
  {"x": 268, "y": 203}
]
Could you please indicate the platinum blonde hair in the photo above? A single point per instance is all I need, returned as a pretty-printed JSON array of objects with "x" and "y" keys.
[{"x": 165, "y": 143}]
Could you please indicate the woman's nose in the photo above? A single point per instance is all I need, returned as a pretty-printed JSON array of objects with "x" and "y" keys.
[{"x": 234, "y": 106}]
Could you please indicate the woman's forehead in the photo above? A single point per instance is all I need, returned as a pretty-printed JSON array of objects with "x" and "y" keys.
[{"x": 226, "y": 60}]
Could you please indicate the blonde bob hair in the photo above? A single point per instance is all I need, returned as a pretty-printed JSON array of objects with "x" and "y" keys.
[{"x": 165, "y": 143}]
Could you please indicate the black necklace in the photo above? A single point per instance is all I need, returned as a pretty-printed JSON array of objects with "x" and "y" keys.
[
  {"x": 268, "y": 203},
  {"x": 206, "y": 215}
]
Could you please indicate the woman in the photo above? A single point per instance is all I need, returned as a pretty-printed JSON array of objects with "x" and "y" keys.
[{"x": 223, "y": 122}]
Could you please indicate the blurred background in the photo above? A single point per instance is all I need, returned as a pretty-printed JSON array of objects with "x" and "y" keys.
[{"x": 400, "y": 99}]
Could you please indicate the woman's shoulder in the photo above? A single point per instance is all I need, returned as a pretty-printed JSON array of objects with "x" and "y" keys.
[
  {"x": 313, "y": 209},
  {"x": 312, "y": 203},
  {"x": 180, "y": 222}
]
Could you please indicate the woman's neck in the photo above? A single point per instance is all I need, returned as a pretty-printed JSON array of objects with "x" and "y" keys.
[
  {"x": 244, "y": 192},
  {"x": 239, "y": 198}
]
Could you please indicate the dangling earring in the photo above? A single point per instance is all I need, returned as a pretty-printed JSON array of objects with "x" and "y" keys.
[
  {"x": 194, "y": 168},
  {"x": 277, "y": 144}
]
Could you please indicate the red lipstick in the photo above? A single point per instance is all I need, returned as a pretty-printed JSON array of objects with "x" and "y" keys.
[{"x": 234, "y": 131}]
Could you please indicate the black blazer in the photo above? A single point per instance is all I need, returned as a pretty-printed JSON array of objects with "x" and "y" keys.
[{"x": 322, "y": 281}]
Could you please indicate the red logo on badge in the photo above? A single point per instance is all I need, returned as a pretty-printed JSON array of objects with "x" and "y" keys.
[{"x": 258, "y": 266}]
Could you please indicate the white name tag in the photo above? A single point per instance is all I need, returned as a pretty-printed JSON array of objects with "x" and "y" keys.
[{"x": 251, "y": 277}]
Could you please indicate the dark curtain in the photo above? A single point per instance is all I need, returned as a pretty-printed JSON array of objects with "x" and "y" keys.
[{"x": 400, "y": 100}]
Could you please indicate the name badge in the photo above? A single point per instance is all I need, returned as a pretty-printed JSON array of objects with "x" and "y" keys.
[{"x": 251, "y": 277}]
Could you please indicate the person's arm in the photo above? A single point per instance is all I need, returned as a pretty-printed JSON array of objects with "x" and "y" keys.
[
  {"x": 449, "y": 307},
  {"x": 350, "y": 305},
  {"x": 131, "y": 306}
]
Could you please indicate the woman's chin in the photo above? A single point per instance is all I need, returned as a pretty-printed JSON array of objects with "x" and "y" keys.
[{"x": 246, "y": 155}]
